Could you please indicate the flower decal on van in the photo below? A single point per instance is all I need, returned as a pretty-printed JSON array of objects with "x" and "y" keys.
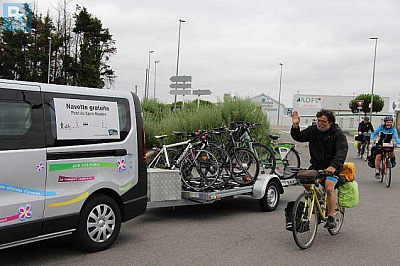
[
  {"x": 121, "y": 165},
  {"x": 40, "y": 167},
  {"x": 25, "y": 212}
]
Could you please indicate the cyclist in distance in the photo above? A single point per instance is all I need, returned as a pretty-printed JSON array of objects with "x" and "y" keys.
[
  {"x": 364, "y": 127},
  {"x": 328, "y": 150},
  {"x": 386, "y": 132}
]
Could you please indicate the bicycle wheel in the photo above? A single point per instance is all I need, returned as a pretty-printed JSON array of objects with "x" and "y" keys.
[
  {"x": 339, "y": 217},
  {"x": 291, "y": 160},
  {"x": 388, "y": 178},
  {"x": 367, "y": 152},
  {"x": 265, "y": 157},
  {"x": 304, "y": 223},
  {"x": 383, "y": 169},
  {"x": 245, "y": 166},
  {"x": 199, "y": 170},
  {"x": 224, "y": 164},
  {"x": 362, "y": 150}
]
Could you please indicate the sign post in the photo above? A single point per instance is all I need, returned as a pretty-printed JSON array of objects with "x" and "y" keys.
[
  {"x": 181, "y": 82},
  {"x": 359, "y": 110},
  {"x": 200, "y": 92},
  {"x": 360, "y": 104}
]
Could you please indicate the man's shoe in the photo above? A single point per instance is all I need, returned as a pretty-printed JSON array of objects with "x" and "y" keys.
[
  {"x": 377, "y": 176},
  {"x": 330, "y": 223}
]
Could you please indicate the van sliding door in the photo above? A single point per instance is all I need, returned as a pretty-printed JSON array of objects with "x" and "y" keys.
[{"x": 22, "y": 162}]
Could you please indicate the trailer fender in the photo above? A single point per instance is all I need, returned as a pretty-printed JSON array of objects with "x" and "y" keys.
[{"x": 262, "y": 182}]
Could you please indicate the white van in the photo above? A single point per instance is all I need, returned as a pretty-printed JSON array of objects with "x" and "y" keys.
[{"x": 72, "y": 161}]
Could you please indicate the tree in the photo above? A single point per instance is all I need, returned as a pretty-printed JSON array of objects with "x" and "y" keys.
[
  {"x": 80, "y": 49},
  {"x": 95, "y": 46},
  {"x": 377, "y": 106}
]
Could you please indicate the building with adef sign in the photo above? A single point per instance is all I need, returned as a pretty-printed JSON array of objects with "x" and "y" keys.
[{"x": 308, "y": 105}]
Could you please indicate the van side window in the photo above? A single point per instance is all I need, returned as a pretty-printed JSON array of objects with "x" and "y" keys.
[
  {"x": 15, "y": 118},
  {"x": 51, "y": 128},
  {"x": 21, "y": 120}
]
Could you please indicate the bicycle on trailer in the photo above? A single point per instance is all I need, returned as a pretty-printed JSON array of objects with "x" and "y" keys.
[
  {"x": 243, "y": 138},
  {"x": 281, "y": 158},
  {"x": 386, "y": 164},
  {"x": 199, "y": 168},
  {"x": 245, "y": 164},
  {"x": 166, "y": 156},
  {"x": 286, "y": 156},
  {"x": 310, "y": 209}
]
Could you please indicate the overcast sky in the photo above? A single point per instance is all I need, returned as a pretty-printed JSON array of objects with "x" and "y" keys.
[{"x": 235, "y": 46}]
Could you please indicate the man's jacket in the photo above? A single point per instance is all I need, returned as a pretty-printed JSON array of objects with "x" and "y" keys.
[
  {"x": 365, "y": 127},
  {"x": 385, "y": 134},
  {"x": 326, "y": 148}
]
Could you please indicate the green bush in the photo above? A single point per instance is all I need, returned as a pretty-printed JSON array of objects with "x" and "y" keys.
[{"x": 160, "y": 119}]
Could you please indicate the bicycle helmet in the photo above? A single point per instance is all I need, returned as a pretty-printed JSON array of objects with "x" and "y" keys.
[{"x": 388, "y": 118}]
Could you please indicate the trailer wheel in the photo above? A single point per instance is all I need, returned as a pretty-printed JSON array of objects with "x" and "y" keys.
[
  {"x": 99, "y": 224},
  {"x": 271, "y": 197}
]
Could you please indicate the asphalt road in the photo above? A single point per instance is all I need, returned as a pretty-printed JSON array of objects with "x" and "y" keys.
[{"x": 236, "y": 232}]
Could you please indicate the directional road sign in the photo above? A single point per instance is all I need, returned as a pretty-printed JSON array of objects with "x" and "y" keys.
[
  {"x": 180, "y": 85},
  {"x": 201, "y": 92},
  {"x": 180, "y": 92},
  {"x": 181, "y": 79}
]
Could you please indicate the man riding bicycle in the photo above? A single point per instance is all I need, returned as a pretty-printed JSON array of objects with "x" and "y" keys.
[
  {"x": 328, "y": 150},
  {"x": 385, "y": 132},
  {"x": 363, "y": 128}
]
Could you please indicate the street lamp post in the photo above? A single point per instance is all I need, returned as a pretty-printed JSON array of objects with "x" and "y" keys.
[
  {"x": 177, "y": 57},
  {"x": 373, "y": 77},
  {"x": 155, "y": 77},
  {"x": 48, "y": 69},
  {"x": 147, "y": 87},
  {"x": 279, "y": 97}
]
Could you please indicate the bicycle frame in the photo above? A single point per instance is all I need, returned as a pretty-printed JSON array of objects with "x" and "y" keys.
[
  {"x": 316, "y": 195},
  {"x": 164, "y": 152}
]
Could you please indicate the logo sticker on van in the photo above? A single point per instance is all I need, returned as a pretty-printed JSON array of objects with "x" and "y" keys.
[
  {"x": 28, "y": 191},
  {"x": 25, "y": 212},
  {"x": 69, "y": 202},
  {"x": 69, "y": 166},
  {"x": 8, "y": 218},
  {"x": 121, "y": 165},
  {"x": 75, "y": 178},
  {"x": 40, "y": 167}
]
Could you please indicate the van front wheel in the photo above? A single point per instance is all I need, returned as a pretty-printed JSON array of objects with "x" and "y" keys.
[{"x": 99, "y": 224}]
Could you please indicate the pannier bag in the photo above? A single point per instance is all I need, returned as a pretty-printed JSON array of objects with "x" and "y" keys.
[
  {"x": 349, "y": 171},
  {"x": 356, "y": 143},
  {"x": 289, "y": 213},
  {"x": 358, "y": 137},
  {"x": 348, "y": 196},
  {"x": 371, "y": 158}
]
